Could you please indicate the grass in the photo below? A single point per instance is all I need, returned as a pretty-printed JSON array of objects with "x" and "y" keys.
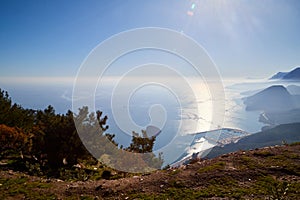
[
  {"x": 294, "y": 144},
  {"x": 266, "y": 186},
  {"x": 246, "y": 162},
  {"x": 21, "y": 187},
  {"x": 216, "y": 166},
  {"x": 263, "y": 185},
  {"x": 261, "y": 174},
  {"x": 263, "y": 153},
  {"x": 174, "y": 172},
  {"x": 186, "y": 193},
  {"x": 276, "y": 188}
]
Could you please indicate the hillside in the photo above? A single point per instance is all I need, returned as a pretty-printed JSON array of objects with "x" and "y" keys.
[
  {"x": 274, "y": 98},
  {"x": 280, "y": 105},
  {"x": 293, "y": 89},
  {"x": 279, "y": 75},
  {"x": 272, "y": 173},
  {"x": 284, "y": 117},
  {"x": 288, "y": 133},
  {"x": 292, "y": 75}
]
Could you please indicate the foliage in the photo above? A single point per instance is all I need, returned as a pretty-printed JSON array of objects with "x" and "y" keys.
[
  {"x": 12, "y": 140},
  {"x": 42, "y": 142},
  {"x": 141, "y": 144},
  {"x": 14, "y": 115}
]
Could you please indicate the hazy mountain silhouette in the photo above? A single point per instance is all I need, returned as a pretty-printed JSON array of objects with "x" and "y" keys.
[
  {"x": 279, "y": 75},
  {"x": 292, "y": 75},
  {"x": 274, "y": 98}
]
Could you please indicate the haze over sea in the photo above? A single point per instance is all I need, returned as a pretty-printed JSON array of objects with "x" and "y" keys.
[{"x": 38, "y": 93}]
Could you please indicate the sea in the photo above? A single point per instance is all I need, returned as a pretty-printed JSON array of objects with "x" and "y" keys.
[{"x": 187, "y": 114}]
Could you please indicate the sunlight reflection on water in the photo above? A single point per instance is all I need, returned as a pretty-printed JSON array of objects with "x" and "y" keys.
[{"x": 59, "y": 94}]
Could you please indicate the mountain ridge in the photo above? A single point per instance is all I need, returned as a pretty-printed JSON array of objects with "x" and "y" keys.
[
  {"x": 279, "y": 75},
  {"x": 284, "y": 133},
  {"x": 291, "y": 75},
  {"x": 273, "y": 98}
]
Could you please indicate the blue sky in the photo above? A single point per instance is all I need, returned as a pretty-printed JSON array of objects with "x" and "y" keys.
[{"x": 52, "y": 38}]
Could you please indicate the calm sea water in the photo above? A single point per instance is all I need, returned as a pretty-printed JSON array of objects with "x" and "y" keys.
[{"x": 176, "y": 112}]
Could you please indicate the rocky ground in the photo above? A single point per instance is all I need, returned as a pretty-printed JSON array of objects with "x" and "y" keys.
[{"x": 268, "y": 173}]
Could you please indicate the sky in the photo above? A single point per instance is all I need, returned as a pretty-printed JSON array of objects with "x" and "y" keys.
[{"x": 244, "y": 38}]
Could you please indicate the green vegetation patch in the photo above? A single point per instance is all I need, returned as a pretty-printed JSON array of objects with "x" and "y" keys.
[
  {"x": 263, "y": 153},
  {"x": 216, "y": 166},
  {"x": 227, "y": 187},
  {"x": 277, "y": 189},
  {"x": 21, "y": 187}
]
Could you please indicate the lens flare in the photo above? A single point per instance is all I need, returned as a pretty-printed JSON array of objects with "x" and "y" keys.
[
  {"x": 193, "y": 6},
  {"x": 190, "y": 13}
]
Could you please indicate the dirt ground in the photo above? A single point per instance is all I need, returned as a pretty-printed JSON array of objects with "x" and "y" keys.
[{"x": 270, "y": 172}]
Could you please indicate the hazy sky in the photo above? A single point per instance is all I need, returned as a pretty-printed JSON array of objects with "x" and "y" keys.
[{"x": 245, "y": 38}]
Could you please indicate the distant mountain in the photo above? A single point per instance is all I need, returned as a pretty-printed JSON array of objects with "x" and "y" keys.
[
  {"x": 279, "y": 75},
  {"x": 292, "y": 75},
  {"x": 293, "y": 89},
  {"x": 274, "y": 98},
  {"x": 283, "y": 117},
  {"x": 288, "y": 133}
]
